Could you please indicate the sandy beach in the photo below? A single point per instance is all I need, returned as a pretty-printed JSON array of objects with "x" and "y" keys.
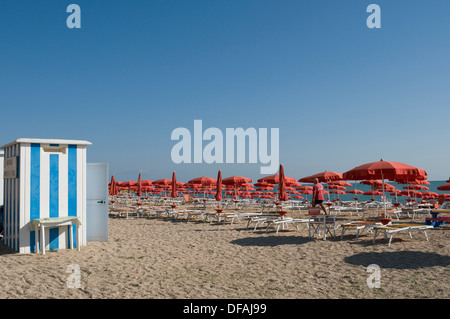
[{"x": 157, "y": 258}]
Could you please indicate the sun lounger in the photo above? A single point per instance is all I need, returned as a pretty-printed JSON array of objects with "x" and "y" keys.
[
  {"x": 392, "y": 229},
  {"x": 221, "y": 217},
  {"x": 283, "y": 222},
  {"x": 360, "y": 226}
]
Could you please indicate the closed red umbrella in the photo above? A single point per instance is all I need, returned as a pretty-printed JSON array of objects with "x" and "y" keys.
[
  {"x": 218, "y": 196},
  {"x": 113, "y": 187},
  {"x": 139, "y": 186},
  {"x": 282, "y": 185},
  {"x": 174, "y": 193}
]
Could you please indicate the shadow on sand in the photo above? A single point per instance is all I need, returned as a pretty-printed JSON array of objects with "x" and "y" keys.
[
  {"x": 399, "y": 259},
  {"x": 5, "y": 250},
  {"x": 271, "y": 241}
]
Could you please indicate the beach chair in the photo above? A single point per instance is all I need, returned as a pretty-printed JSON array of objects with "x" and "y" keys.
[
  {"x": 284, "y": 223},
  {"x": 392, "y": 229},
  {"x": 359, "y": 226},
  {"x": 320, "y": 222}
]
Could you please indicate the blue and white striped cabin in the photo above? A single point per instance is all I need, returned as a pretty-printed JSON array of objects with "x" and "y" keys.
[{"x": 43, "y": 178}]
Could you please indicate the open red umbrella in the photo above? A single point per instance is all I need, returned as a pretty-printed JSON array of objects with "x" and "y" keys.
[
  {"x": 203, "y": 181},
  {"x": 236, "y": 180},
  {"x": 275, "y": 179},
  {"x": 323, "y": 177},
  {"x": 444, "y": 187},
  {"x": 174, "y": 193},
  {"x": 385, "y": 170}
]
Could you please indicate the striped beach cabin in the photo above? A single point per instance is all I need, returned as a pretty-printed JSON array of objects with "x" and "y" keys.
[{"x": 43, "y": 178}]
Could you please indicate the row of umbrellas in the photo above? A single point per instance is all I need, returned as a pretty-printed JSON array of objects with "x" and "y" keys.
[{"x": 370, "y": 172}]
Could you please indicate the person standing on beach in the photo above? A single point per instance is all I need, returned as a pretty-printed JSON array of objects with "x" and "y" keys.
[{"x": 317, "y": 197}]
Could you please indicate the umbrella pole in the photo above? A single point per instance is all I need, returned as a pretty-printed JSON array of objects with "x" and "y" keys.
[{"x": 384, "y": 197}]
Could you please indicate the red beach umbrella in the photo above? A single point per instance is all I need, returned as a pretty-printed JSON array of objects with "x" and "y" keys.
[
  {"x": 340, "y": 183},
  {"x": 146, "y": 183},
  {"x": 354, "y": 191},
  {"x": 235, "y": 180},
  {"x": 139, "y": 186},
  {"x": 385, "y": 170},
  {"x": 275, "y": 179},
  {"x": 218, "y": 196},
  {"x": 282, "y": 185},
  {"x": 323, "y": 177},
  {"x": 203, "y": 180},
  {"x": 444, "y": 187},
  {"x": 163, "y": 182},
  {"x": 113, "y": 187},
  {"x": 174, "y": 193}
]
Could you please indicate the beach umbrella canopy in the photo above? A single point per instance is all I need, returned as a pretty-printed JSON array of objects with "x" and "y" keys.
[
  {"x": 263, "y": 184},
  {"x": 444, "y": 187},
  {"x": 128, "y": 184},
  {"x": 323, "y": 177},
  {"x": 373, "y": 193},
  {"x": 337, "y": 191},
  {"x": 163, "y": 182},
  {"x": 275, "y": 179},
  {"x": 236, "y": 180},
  {"x": 146, "y": 182},
  {"x": 354, "y": 191},
  {"x": 385, "y": 170},
  {"x": 218, "y": 196},
  {"x": 282, "y": 185},
  {"x": 340, "y": 183},
  {"x": 416, "y": 187},
  {"x": 203, "y": 181},
  {"x": 432, "y": 194},
  {"x": 174, "y": 193}
]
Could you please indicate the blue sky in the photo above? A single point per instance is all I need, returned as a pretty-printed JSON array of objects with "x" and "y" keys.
[{"x": 340, "y": 93}]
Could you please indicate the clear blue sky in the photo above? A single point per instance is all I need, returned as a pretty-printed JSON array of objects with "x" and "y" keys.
[{"x": 341, "y": 94}]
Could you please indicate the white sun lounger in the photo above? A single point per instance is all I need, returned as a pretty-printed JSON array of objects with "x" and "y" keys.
[{"x": 396, "y": 228}]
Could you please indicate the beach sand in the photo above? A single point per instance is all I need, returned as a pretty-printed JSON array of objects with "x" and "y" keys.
[{"x": 159, "y": 258}]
